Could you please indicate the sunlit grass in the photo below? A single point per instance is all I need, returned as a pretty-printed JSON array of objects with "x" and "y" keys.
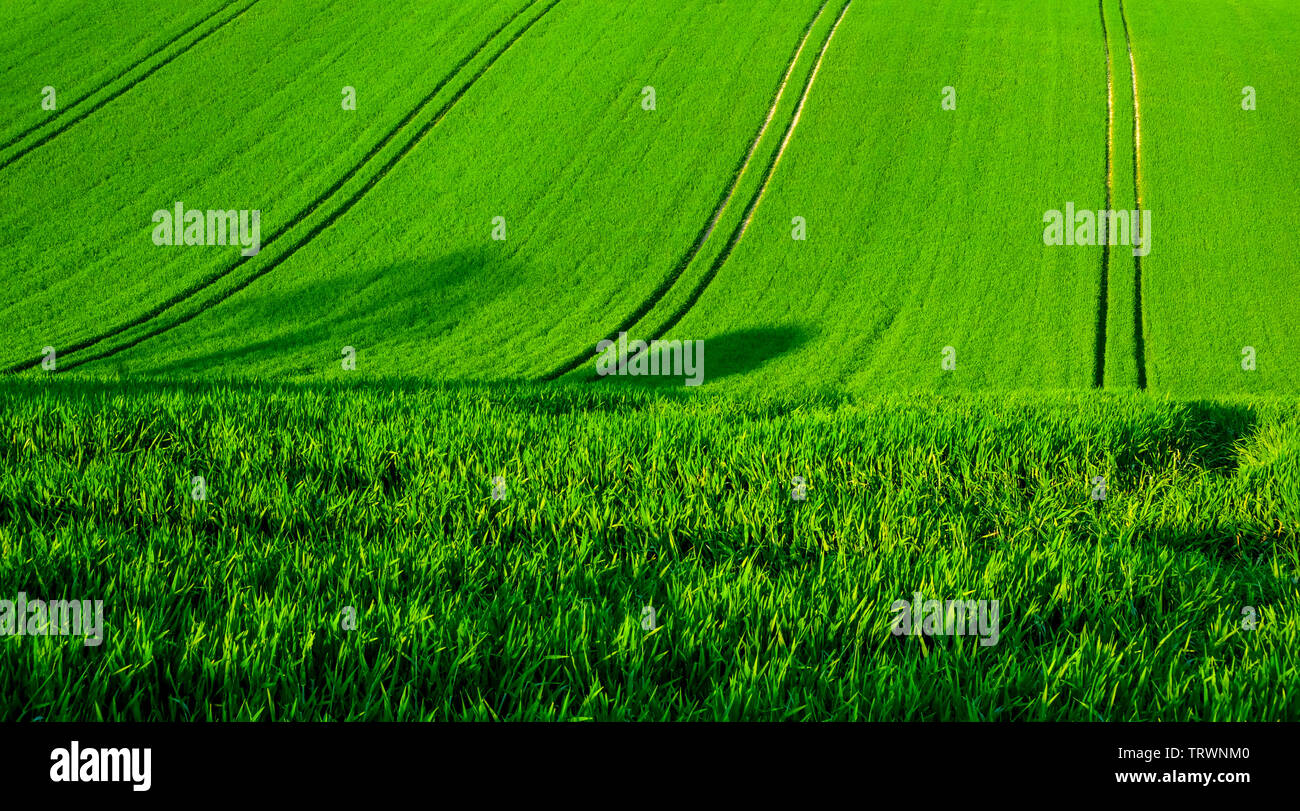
[{"x": 379, "y": 497}]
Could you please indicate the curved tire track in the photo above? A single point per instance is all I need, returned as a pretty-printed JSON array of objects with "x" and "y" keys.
[
  {"x": 69, "y": 123},
  {"x": 644, "y": 308},
  {"x": 319, "y": 201},
  {"x": 741, "y": 228},
  {"x": 342, "y": 209},
  {"x": 1138, "y": 312},
  {"x": 108, "y": 83},
  {"x": 1099, "y": 367}
]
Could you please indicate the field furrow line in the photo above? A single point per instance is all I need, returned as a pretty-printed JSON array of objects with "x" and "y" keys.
[
  {"x": 702, "y": 237},
  {"x": 1138, "y": 313},
  {"x": 767, "y": 122},
  {"x": 339, "y": 211},
  {"x": 319, "y": 201},
  {"x": 754, "y": 202},
  {"x": 71, "y": 122},
  {"x": 114, "y": 80},
  {"x": 1099, "y": 366},
  {"x": 785, "y": 142}
]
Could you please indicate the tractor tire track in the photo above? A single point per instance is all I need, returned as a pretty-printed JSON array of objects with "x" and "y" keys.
[
  {"x": 320, "y": 200},
  {"x": 1138, "y": 312},
  {"x": 1099, "y": 359},
  {"x": 338, "y": 212},
  {"x": 767, "y": 122},
  {"x": 679, "y": 269},
  {"x": 71, "y": 122},
  {"x": 110, "y": 82},
  {"x": 754, "y": 202}
]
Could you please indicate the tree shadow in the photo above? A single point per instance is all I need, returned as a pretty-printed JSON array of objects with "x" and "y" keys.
[
  {"x": 1207, "y": 433},
  {"x": 420, "y": 299},
  {"x": 728, "y": 355}
]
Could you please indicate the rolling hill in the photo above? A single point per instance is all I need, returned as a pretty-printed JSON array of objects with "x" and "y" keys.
[{"x": 385, "y": 397}]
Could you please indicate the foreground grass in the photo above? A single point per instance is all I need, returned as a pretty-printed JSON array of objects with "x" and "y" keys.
[{"x": 378, "y": 497}]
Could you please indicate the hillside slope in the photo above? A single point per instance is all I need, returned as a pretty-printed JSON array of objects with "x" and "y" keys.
[{"x": 832, "y": 194}]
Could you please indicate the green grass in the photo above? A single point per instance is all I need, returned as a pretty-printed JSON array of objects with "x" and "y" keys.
[
  {"x": 79, "y": 47},
  {"x": 1124, "y": 363},
  {"x": 331, "y": 488},
  {"x": 247, "y": 119},
  {"x": 1220, "y": 182},
  {"x": 524, "y": 142},
  {"x": 924, "y": 224},
  {"x": 597, "y": 206},
  {"x": 378, "y": 497}
]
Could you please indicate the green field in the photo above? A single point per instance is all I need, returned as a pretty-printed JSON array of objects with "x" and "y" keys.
[
  {"x": 1225, "y": 278},
  {"x": 844, "y": 200}
]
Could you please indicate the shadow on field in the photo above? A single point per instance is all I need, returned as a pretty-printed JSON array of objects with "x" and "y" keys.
[
  {"x": 733, "y": 353},
  {"x": 1203, "y": 432},
  {"x": 354, "y": 306}
]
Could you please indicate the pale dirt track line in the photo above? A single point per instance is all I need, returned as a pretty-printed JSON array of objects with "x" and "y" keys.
[
  {"x": 794, "y": 123},
  {"x": 1099, "y": 351},
  {"x": 668, "y": 283},
  {"x": 767, "y": 122},
  {"x": 753, "y": 205},
  {"x": 1139, "y": 316}
]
